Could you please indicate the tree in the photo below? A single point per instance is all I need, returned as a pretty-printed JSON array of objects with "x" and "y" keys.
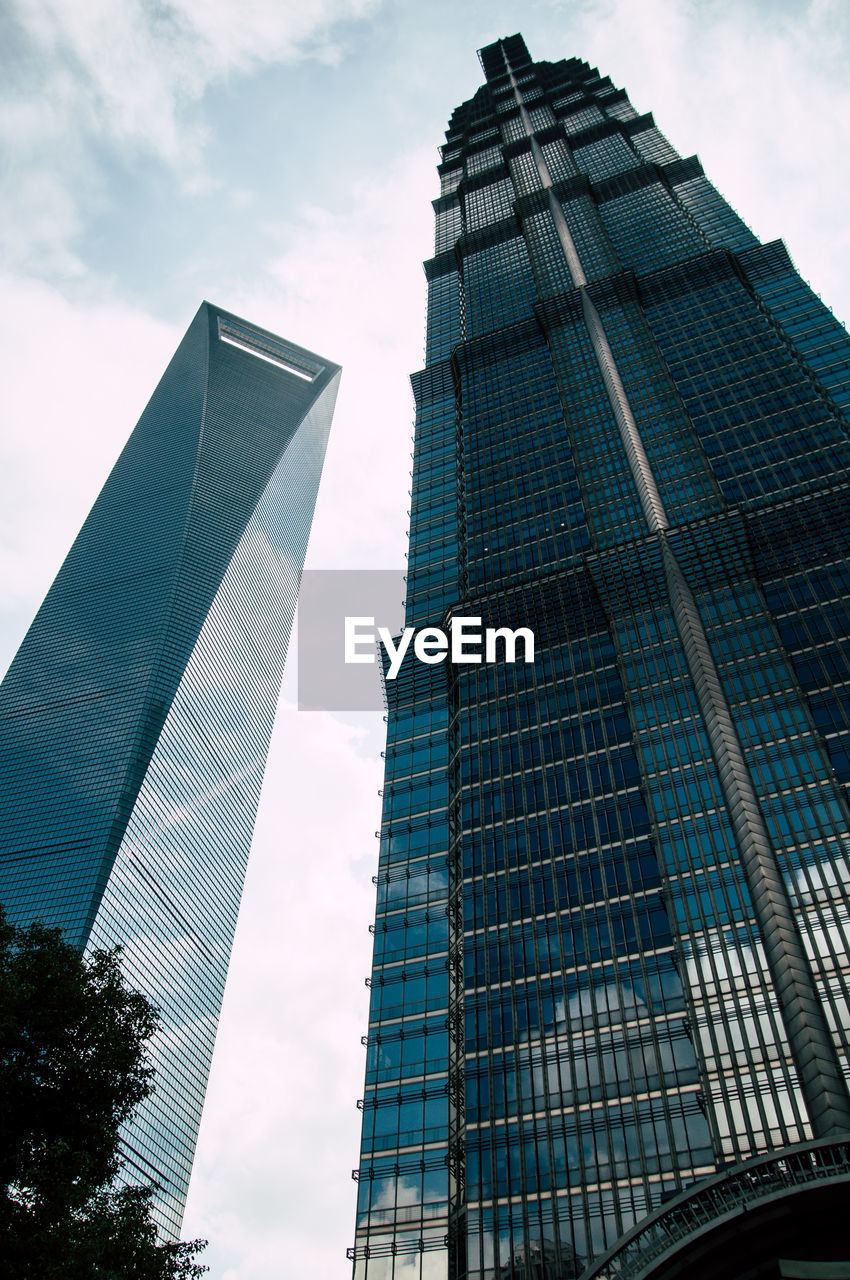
[{"x": 73, "y": 1067}]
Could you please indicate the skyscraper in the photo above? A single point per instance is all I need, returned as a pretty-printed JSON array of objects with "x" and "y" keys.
[
  {"x": 136, "y": 717},
  {"x": 611, "y": 959}
]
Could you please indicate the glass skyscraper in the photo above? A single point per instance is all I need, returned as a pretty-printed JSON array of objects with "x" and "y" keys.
[
  {"x": 610, "y": 986},
  {"x": 136, "y": 716}
]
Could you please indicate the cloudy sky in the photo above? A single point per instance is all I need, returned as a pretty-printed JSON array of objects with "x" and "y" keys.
[{"x": 277, "y": 157}]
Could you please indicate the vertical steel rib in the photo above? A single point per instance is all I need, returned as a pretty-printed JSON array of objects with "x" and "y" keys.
[
  {"x": 821, "y": 1078},
  {"x": 650, "y": 498}
]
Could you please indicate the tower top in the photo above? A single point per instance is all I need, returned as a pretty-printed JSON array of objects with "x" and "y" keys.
[{"x": 509, "y": 51}]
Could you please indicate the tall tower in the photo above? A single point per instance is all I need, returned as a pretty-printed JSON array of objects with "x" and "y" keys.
[
  {"x": 611, "y": 947},
  {"x": 136, "y": 716}
]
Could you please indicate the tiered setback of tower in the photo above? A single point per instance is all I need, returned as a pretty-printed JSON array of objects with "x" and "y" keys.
[{"x": 611, "y": 942}]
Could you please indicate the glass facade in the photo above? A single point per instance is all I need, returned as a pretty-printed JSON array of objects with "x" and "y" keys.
[
  {"x": 137, "y": 713},
  {"x": 611, "y": 943}
]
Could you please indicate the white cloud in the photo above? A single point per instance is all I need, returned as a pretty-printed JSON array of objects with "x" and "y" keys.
[
  {"x": 41, "y": 222},
  {"x": 760, "y": 92},
  {"x": 271, "y": 1187},
  {"x": 135, "y": 64},
  {"x": 350, "y": 285},
  {"x": 265, "y": 30},
  {"x": 76, "y": 378},
  {"x": 95, "y": 74}
]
